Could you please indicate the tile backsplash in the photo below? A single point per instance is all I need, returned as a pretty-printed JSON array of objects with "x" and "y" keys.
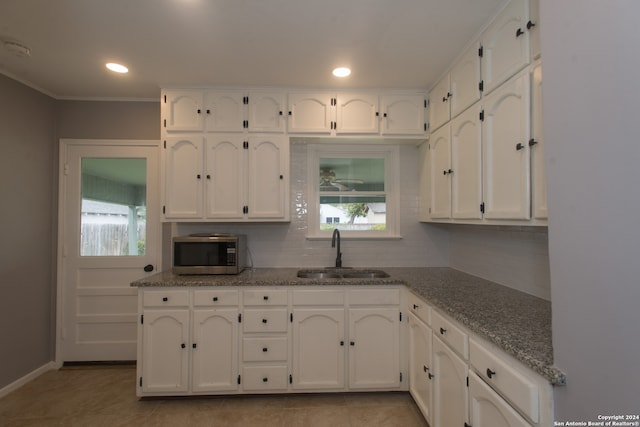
[{"x": 286, "y": 245}]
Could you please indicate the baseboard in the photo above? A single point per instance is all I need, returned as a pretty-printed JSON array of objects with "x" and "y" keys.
[{"x": 29, "y": 377}]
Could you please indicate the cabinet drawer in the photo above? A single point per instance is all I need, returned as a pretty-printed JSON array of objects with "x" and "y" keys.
[
  {"x": 318, "y": 297},
  {"x": 420, "y": 308},
  {"x": 269, "y": 320},
  {"x": 212, "y": 297},
  {"x": 265, "y": 297},
  {"x": 264, "y": 349},
  {"x": 374, "y": 296},
  {"x": 270, "y": 377},
  {"x": 166, "y": 298},
  {"x": 504, "y": 377},
  {"x": 451, "y": 334}
]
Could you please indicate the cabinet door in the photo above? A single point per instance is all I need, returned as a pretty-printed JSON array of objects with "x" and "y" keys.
[
  {"x": 505, "y": 44},
  {"x": 538, "y": 170},
  {"x": 465, "y": 78},
  {"x": 357, "y": 113},
  {"x": 403, "y": 114},
  {"x": 183, "y": 186},
  {"x": 224, "y": 176},
  {"x": 268, "y": 178},
  {"x": 439, "y": 167},
  {"x": 466, "y": 164},
  {"x": 310, "y": 112},
  {"x": 490, "y": 410},
  {"x": 224, "y": 112},
  {"x": 318, "y": 348},
  {"x": 374, "y": 348},
  {"x": 165, "y": 351},
  {"x": 420, "y": 375},
  {"x": 439, "y": 103},
  {"x": 266, "y": 112},
  {"x": 182, "y": 110},
  {"x": 450, "y": 393},
  {"x": 214, "y": 352},
  {"x": 506, "y": 152}
]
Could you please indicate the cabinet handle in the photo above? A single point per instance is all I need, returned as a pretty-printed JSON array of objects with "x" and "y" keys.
[
  {"x": 265, "y": 379},
  {"x": 215, "y": 299},
  {"x": 532, "y": 142},
  {"x": 199, "y": 111},
  {"x": 266, "y": 298},
  {"x": 194, "y": 345},
  {"x": 342, "y": 343},
  {"x": 425, "y": 368},
  {"x": 431, "y": 375},
  {"x": 198, "y": 176},
  {"x": 384, "y": 115},
  {"x": 165, "y": 299},
  {"x": 264, "y": 320},
  {"x": 208, "y": 176},
  {"x": 444, "y": 99},
  {"x": 443, "y": 331},
  {"x": 530, "y": 25},
  {"x": 519, "y": 146},
  {"x": 490, "y": 373},
  {"x": 280, "y": 112},
  {"x": 415, "y": 306},
  {"x": 519, "y": 32},
  {"x": 183, "y": 345},
  {"x": 265, "y": 349},
  {"x": 352, "y": 343},
  {"x": 208, "y": 111}
]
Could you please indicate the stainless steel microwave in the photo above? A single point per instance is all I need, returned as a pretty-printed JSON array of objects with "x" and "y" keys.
[{"x": 213, "y": 253}]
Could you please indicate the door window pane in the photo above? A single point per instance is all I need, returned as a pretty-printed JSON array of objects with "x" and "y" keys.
[{"x": 113, "y": 212}]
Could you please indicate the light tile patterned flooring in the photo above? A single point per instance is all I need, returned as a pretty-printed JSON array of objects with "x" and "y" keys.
[{"x": 104, "y": 396}]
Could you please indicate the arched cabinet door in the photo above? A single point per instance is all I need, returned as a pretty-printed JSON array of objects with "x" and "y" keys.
[
  {"x": 183, "y": 177},
  {"x": 268, "y": 177}
]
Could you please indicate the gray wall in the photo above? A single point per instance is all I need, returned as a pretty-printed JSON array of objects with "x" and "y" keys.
[
  {"x": 27, "y": 164},
  {"x": 591, "y": 96}
]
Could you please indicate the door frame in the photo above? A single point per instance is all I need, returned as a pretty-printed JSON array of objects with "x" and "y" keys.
[{"x": 64, "y": 144}]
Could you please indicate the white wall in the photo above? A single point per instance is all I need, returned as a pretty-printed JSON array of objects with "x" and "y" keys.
[
  {"x": 517, "y": 257},
  {"x": 591, "y": 101},
  {"x": 285, "y": 245}
]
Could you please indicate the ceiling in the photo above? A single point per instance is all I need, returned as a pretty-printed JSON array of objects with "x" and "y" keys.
[{"x": 389, "y": 44}]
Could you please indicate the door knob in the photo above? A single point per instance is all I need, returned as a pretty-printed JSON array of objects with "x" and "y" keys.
[{"x": 148, "y": 268}]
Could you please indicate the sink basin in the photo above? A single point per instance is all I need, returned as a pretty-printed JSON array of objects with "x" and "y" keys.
[{"x": 342, "y": 274}]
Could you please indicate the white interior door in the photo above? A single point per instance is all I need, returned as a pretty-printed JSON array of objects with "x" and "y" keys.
[{"x": 105, "y": 241}]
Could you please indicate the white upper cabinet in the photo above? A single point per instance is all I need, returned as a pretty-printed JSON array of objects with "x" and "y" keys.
[
  {"x": 534, "y": 28},
  {"x": 224, "y": 111},
  {"x": 267, "y": 112},
  {"x": 536, "y": 143},
  {"x": 224, "y": 175},
  {"x": 505, "y": 45},
  {"x": 268, "y": 186},
  {"x": 440, "y": 172},
  {"x": 310, "y": 112},
  {"x": 465, "y": 80},
  {"x": 183, "y": 183},
  {"x": 506, "y": 151},
  {"x": 403, "y": 114},
  {"x": 466, "y": 165},
  {"x": 357, "y": 113},
  {"x": 440, "y": 103},
  {"x": 182, "y": 110}
]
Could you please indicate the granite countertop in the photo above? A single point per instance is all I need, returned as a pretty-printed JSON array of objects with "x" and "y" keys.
[{"x": 518, "y": 323}]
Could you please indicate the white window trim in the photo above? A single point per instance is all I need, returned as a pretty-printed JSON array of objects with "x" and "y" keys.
[{"x": 391, "y": 154}]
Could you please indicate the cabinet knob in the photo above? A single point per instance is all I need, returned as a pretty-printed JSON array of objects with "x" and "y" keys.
[
  {"x": 530, "y": 25},
  {"x": 342, "y": 343},
  {"x": 519, "y": 146},
  {"x": 199, "y": 111},
  {"x": 352, "y": 343},
  {"x": 266, "y": 297},
  {"x": 208, "y": 111},
  {"x": 198, "y": 176},
  {"x": 415, "y": 306},
  {"x": 443, "y": 331},
  {"x": 183, "y": 345},
  {"x": 425, "y": 368},
  {"x": 215, "y": 299},
  {"x": 490, "y": 373},
  {"x": 165, "y": 299},
  {"x": 532, "y": 142},
  {"x": 264, "y": 320},
  {"x": 208, "y": 176},
  {"x": 265, "y": 379},
  {"x": 519, "y": 32},
  {"x": 265, "y": 349},
  {"x": 194, "y": 345},
  {"x": 430, "y": 375}
]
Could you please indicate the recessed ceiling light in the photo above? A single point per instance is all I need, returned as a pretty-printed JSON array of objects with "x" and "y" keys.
[
  {"x": 117, "y": 68},
  {"x": 341, "y": 72}
]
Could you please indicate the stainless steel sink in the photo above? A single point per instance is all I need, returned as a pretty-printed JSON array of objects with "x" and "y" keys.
[{"x": 342, "y": 274}]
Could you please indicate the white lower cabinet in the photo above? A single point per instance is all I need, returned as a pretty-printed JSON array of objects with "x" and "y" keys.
[
  {"x": 488, "y": 409},
  {"x": 420, "y": 366},
  {"x": 450, "y": 392}
]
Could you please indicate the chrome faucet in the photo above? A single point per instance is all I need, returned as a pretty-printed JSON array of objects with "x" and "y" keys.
[{"x": 336, "y": 234}]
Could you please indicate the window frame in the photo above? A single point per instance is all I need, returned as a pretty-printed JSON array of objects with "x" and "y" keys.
[{"x": 391, "y": 156}]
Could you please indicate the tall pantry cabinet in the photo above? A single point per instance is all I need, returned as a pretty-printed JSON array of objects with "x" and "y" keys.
[{"x": 487, "y": 110}]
